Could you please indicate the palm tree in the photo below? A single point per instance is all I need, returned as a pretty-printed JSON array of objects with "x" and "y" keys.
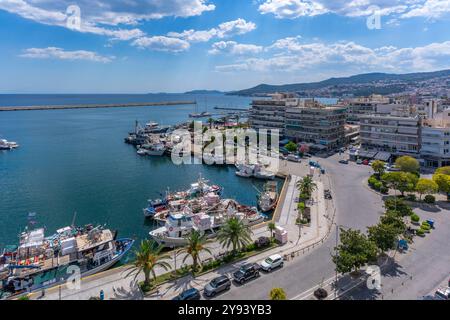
[
  {"x": 234, "y": 233},
  {"x": 277, "y": 294},
  {"x": 306, "y": 186},
  {"x": 211, "y": 122},
  {"x": 147, "y": 258},
  {"x": 196, "y": 244},
  {"x": 271, "y": 227}
]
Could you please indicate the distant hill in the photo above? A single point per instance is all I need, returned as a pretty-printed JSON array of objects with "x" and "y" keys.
[
  {"x": 383, "y": 83},
  {"x": 204, "y": 92}
]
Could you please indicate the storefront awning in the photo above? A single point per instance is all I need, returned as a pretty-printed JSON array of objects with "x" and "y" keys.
[{"x": 383, "y": 156}]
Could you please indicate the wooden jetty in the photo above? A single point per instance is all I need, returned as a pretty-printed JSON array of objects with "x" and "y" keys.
[{"x": 97, "y": 106}]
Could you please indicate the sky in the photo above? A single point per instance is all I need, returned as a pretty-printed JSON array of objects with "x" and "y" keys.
[{"x": 143, "y": 46}]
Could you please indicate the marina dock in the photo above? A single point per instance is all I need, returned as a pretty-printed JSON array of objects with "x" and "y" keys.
[{"x": 97, "y": 106}]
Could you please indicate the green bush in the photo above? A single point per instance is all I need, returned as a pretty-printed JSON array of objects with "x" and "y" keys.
[
  {"x": 430, "y": 199},
  {"x": 384, "y": 190},
  {"x": 420, "y": 233},
  {"x": 251, "y": 247},
  {"x": 425, "y": 226},
  {"x": 411, "y": 197},
  {"x": 415, "y": 218},
  {"x": 425, "y": 230}
]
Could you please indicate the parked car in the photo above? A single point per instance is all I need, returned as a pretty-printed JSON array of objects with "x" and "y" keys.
[
  {"x": 359, "y": 161},
  {"x": 246, "y": 273},
  {"x": 307, "y": 155},
  {"x": 442, "y": 294},
  {"x": 217, "y": 285},
  {"x": 365, "y": 162},
  {"x": 262, "y": 242},
  {"x": 294, "y": 158},
  {"x": 190, "y": 294},
  {"x": 272, "y": 262},
  {"x": 343, "y": 161}
]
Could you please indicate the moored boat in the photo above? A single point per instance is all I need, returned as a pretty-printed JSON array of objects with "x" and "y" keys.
[{"x": 40, "y": 262}]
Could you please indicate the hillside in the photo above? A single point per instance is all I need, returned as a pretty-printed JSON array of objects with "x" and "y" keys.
[{"x": 362, "y": 84}]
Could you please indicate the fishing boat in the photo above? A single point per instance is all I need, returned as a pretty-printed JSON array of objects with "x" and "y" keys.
[
  {"x": 175, "y": 202},
  {"x": 268, "y": 198},
  {"x": 39, "y": 262},
  {"x": 8, "y": 145},
  {"x": 245, "y": 170},
  {"x": 179, "y": 226},
  {"x": 152, "y": 149},
  {"x": 261, "y": 173}
]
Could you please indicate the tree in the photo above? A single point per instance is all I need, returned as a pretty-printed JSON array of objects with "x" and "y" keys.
[
  {"x": 408, "y": 164},
  {"x": 401, "y": 181},
  {"x": 196, "y": 245},
  {"x": 394, "y": 219},
  {"x": 304, "y": 149},
  {"x": 147, "y": 258},
  {"x": 378, "y": 167},
  {"x": 398, "y": 205},
  {"x": 277, "y": 294},
  {"x": 306, "y": 186},
  {"x": 291, "y": 146},
  {"x": 426, "y": 186},
  {"x": 211, "y": 122},
  {"x": 443, "y": 170},
  {"x": 443, "y": 182},
  {"x": 384, "y": 236},
  {"x": 354, "y": 251},
  {"x": 271, "y": 227},
  {"x": 234, "y": 233}
]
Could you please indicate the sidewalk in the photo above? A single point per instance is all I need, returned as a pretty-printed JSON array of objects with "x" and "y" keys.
[{"x": 116, "y": 286}]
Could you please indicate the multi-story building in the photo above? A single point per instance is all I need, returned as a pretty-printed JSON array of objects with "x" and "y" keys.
[
  {"x": 435, "y": 150},
  {"x": 308, "y": 121},
  {"x": 270, "y": 113},
  {"x": 316, "y": 124},
  {"x": 361, "y": 106},
  {"x": 396, "y": 134}
]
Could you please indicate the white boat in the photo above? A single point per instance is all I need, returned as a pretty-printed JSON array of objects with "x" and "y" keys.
[
  {"x": 8, "y": 145},
  {"x": 267, "y": 200},
  {"x": 157, "y": 149},
  {"x": 178, "y": 226},
  {"x": 260, "y": 173},
  {"x": 245, "y": 170}
]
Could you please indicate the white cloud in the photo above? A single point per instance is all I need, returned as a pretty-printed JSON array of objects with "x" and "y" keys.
[
  {"x": 224, "y": 30},
  {"x": 234, "y": 48},
  {"x": 291, "y": 9},
  {"x": 61, "y": 54},
  {"x": 290, "y": 55},
  {"x": 161, "y": 43},
  {"x": 99, "y": 16}
]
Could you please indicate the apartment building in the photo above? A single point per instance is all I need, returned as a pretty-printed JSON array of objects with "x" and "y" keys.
[
  {"x": 361, "y": 106},
  {"x": 435, "y": 149},
  {"x": 398, "y": 134},
  {"x": 270, "y": 113},
  {"x": 323, "y": 127},
  {"x": 308, "y": 121}
]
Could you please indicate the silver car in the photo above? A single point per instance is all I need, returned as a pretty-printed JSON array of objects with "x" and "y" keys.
[
  {"x": 217, "y": 286},
  {"x": 272, "y": 262}
]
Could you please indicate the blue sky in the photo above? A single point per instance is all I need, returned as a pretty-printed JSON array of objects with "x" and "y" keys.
[{"x": 140, "y": 46}]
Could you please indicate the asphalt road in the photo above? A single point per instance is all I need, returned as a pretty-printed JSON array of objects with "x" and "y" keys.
[{"x": 357, "y": 207}]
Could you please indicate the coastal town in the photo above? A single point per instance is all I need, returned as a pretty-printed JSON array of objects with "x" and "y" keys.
[
  {"x": 225, "y": 159},
  {"x": 390, "y": 154}
]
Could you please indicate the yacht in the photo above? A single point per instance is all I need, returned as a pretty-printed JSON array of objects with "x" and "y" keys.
[{"x": 8, "y": 145}]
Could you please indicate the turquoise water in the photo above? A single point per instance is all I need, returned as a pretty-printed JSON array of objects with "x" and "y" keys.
[{"x": 76, "y": 161}]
